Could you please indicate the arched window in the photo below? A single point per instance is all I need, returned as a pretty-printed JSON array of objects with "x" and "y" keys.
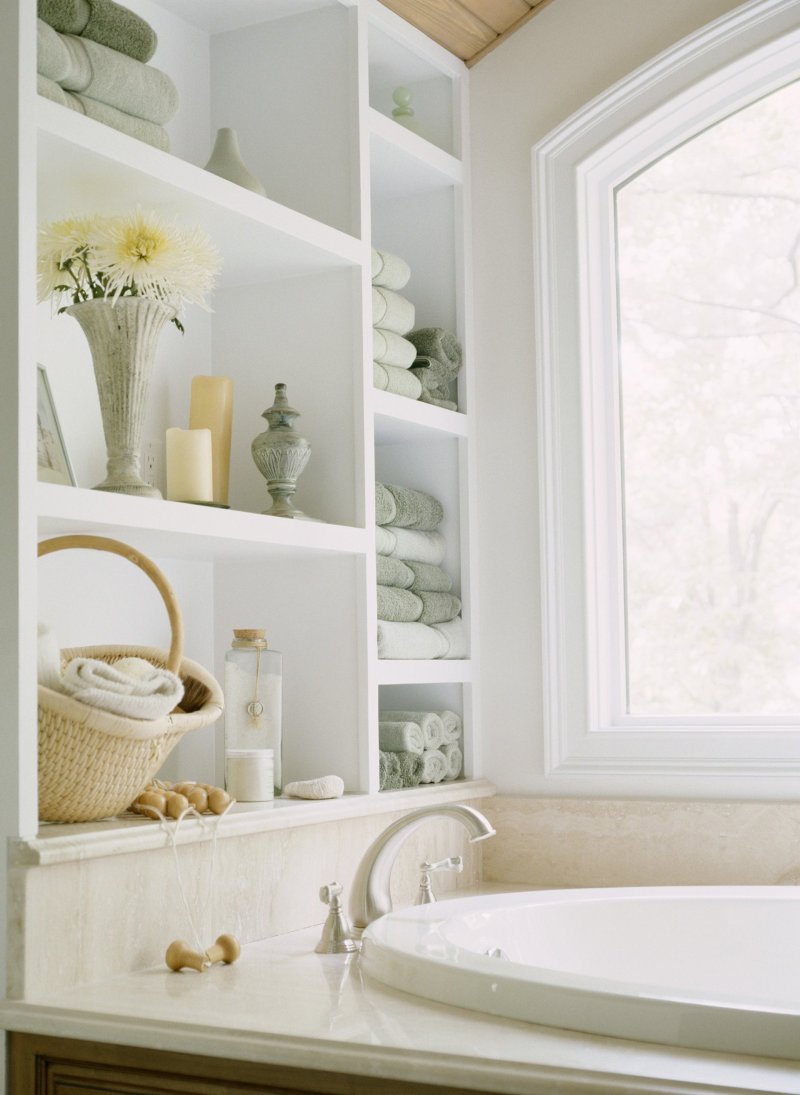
[{"x": 667, "y": 247}]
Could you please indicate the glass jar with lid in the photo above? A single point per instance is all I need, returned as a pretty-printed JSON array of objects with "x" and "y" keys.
[{"x": 253, "y": 703}]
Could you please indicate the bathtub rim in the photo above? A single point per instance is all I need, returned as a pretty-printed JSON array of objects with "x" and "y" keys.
[{"x": 589, "y": 1004}]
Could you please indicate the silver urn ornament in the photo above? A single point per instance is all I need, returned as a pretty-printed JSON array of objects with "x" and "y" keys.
[{"x": 280, "y": 454}]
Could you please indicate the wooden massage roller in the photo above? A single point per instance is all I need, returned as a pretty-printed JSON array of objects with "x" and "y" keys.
[{"x": 181, "y": 956}]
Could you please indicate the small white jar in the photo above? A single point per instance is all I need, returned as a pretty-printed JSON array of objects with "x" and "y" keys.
[{"x": 249, "y": 774}]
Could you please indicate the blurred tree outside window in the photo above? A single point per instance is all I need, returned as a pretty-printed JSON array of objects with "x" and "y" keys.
[{"x": 708, "y": 268}]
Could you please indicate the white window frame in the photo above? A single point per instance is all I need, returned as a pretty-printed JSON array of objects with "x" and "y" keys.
[{"x": 703, "y": 79}]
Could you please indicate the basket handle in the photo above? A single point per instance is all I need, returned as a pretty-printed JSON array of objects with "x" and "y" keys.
[{"x": 117, "y": 547}]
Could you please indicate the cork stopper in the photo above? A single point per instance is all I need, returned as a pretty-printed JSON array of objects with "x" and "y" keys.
[{"x": 249, "y": 637}]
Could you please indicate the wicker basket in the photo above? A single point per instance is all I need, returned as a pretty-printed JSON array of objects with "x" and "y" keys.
[{"x": 92, "y": 763}]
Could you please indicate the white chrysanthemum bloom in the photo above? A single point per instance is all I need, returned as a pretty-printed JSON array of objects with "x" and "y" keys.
[
  {"x": 60, "y": 246},
  {"x": 202, "y": 266},
  {"x": 144, "y": 255},
  {"x": 137, "y": 254}
]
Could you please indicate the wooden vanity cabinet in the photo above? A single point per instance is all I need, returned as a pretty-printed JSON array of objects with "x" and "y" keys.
[{"x": 43, "y": 1065}]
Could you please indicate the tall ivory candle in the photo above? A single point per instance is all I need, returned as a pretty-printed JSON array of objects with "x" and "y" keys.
[
  {"x": 189, "y": 465},
  {"x": 211, "y": 407}
]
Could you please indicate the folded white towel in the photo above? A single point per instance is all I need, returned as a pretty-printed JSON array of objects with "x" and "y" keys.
[
  {"x": 455, "y": 635},
  {"x": 389, "y": 270},
  {"x": 391, "y": 311},
  {"x": 428, "y": 721},
  {"x": 131, "y": 687},
  {"x": 400, "y": 736},
  {"x": 389, "y": 348},
  {"x": 415, "y": 545},
  {"x": 454, "y": 757},
  {"x": 434, "y": 766},
  {"x": 49, "y": 659},
  {"x": 385, "y": 540},
  {"x": 452, "y": 726},
  {"x": 409, "y": 641}
]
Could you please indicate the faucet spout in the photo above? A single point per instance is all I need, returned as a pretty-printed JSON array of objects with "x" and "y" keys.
[{"x": 370, "y": 892}]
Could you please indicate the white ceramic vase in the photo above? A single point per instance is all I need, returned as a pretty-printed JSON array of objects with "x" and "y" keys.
[
  {"x": 122, "y": 337},
  {"x": 226, "y": 161}
]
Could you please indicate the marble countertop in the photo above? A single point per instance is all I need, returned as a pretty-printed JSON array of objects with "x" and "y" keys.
[{"x": 284, "y": 1004}]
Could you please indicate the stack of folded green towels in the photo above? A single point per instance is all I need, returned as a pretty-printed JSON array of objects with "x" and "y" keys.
[
  {"x": 392, "y": 317},
  {"x": 92, "y": 57},
  {"x": 419, "y": 747},
  {"x": 418, "y": 615}
]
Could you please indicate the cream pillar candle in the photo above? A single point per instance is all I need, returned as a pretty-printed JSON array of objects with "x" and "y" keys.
[
  {"x": 212, "y": 408},
  {"x": 189, "y": 476}
]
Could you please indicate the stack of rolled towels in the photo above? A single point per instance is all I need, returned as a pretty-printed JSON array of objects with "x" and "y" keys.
[
  {"x": 418, "y": 615},
  {"x": 419, "y": 747},
  {"x": 392, "y": 318},
  {"x": 92, "y": 57}
]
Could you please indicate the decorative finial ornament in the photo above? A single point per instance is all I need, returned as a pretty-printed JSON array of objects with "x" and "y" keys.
[
  {"x": 281, "y": 454},
  {"x": 403, "y": 111}
]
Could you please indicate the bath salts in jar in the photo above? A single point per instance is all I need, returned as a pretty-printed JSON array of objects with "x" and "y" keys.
[{"x": 253, "y": 701}]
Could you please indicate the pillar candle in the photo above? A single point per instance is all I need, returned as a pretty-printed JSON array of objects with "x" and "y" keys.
[
  {"x": 189, "y": 465},
  {"x": 212, "y": 408}
]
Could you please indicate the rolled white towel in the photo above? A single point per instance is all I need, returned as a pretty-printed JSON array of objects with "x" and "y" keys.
[
  {"x": 454, "y": 757},
  {"x": 389, "y": 270},
  {"x": 434, "y": 766},
  {"x": 131, "y": 687},
  {"x": 321, "y": 787},
  {"x": 391, "y": 311},
  {"x": 428, "y": 721},
  {"x": 389, "y": 348},
  {"x": 48, "y": 665},
  {"x": 391, "y": 378},
  {"x": 399, "y": 736},
  {"x": 452, "y": 726}
]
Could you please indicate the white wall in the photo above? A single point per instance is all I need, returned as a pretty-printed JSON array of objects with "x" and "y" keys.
[{"x": 564, "y": 57}]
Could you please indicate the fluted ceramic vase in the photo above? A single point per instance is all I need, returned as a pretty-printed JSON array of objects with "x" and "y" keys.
[
  {"x": 280, "y": 454},
  {"x": 123, "y": 337}
]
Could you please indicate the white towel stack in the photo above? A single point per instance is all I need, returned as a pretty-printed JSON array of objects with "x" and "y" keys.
[
  {"x": 392, "y": 318},
  {"x": 439, "y": 733},
  {"x": 418, "y": 615}
]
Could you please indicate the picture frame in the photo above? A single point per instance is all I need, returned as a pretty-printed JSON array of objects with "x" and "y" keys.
[{"x": 52, "y": 458}]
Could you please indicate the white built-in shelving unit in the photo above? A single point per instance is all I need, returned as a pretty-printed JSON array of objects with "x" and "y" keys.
[{"x": 308, "y": 86}]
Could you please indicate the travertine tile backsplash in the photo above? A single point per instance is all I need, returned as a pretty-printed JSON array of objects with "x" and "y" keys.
[{"x": 612, "y": 842}]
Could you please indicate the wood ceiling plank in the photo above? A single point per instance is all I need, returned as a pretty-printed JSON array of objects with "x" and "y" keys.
[
  {"x": 498, "y": 14},
  {"x": 538, "y": 6},
  {"x": 447, "y": 22}
]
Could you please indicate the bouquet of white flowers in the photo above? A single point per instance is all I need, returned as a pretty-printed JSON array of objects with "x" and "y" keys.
[{"x": 136, "y": 254}]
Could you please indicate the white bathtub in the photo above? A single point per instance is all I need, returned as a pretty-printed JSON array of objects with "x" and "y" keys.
[{"x": 703, "y": 967}]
